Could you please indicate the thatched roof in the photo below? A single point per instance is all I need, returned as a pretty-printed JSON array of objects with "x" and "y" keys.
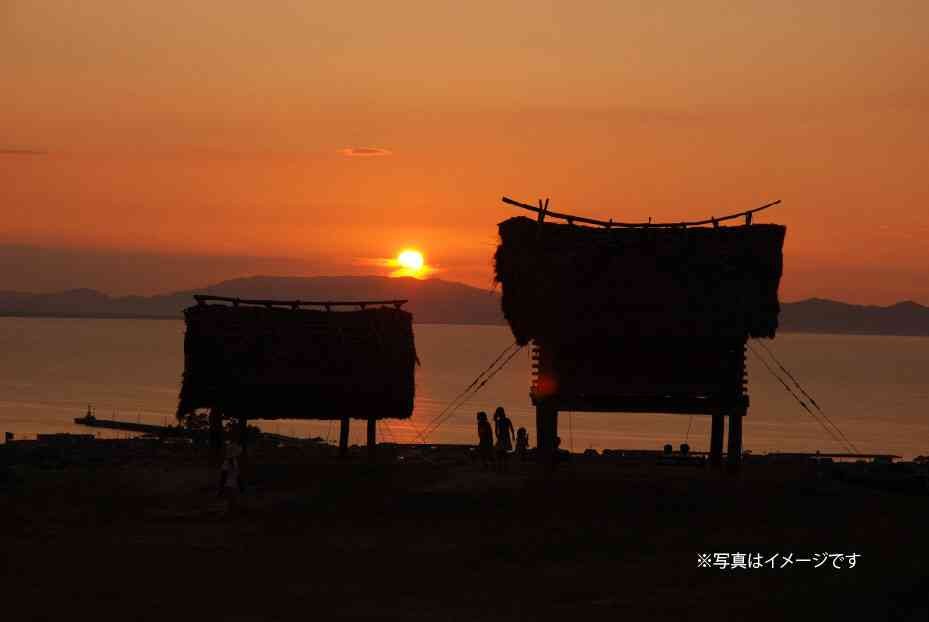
[
  {"x": 283, "y": 363},
  {"x": 562, "y": 281}
]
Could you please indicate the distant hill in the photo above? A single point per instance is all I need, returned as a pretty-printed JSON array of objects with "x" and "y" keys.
[
  {"x": 431, "y": 301},
  {"x": 817, "y": 315}
]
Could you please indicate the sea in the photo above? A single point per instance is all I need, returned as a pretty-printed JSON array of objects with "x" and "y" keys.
[{"x": 874, "y": 389}]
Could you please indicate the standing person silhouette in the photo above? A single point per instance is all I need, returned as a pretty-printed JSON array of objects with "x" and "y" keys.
[
  {"x": 485, "y": 440},
  {"x": 230, "y": 477},
  {"x": 505, "y": 435},
  {"x": 522, "y": 443}
]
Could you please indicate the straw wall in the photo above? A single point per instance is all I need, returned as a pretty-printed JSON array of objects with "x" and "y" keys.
[
  {"x": 277, "y": 363},
  {"x": 565, "y": 282}
]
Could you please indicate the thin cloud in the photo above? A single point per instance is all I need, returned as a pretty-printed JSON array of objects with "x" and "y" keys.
[
  {"x": 379, "y": 262},
  {"x": 22, "y": 152},
  {"x": 395, "y": 268},
  {"x": 422, "y": 273},
  {"x": 364, "y": 152}
]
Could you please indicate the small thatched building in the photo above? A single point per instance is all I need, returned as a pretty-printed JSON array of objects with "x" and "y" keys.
[
  {"x": 639, "y": 282},
  {"x": 279, "y": 360},
  {"x": 650, "y": 318}
]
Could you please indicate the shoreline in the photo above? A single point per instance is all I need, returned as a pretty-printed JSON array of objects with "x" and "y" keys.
[
  {"x": 436, "y": 537},
  {"x": 180, "y": 318},
  {"x": 393, "y": 449}
]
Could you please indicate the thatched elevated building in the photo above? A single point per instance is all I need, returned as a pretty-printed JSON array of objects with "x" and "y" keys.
[
  {"x": 640, "y": 317},
  {"x": 272, "y": 359}
]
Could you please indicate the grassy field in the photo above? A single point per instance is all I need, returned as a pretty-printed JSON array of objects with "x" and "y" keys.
[{"x": 141, "y": 535}]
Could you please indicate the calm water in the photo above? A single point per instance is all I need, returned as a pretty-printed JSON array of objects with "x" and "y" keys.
[{"x": 874, "y": 388}]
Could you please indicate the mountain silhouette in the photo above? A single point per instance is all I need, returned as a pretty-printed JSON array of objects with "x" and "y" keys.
[
  {"x": 430, "y": 301},
  {"x": 817, "y": 315}
]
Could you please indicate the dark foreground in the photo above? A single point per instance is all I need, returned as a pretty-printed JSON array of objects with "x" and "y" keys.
[{"x": 140, "y": 535}]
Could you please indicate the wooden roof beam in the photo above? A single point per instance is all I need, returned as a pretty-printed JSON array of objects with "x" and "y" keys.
[
  {"x": 571, "y": 219},
  {"x": 296, "y": 304}
]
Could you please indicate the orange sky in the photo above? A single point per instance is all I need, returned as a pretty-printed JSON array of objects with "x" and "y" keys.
[{"x": 223, "y": 129}]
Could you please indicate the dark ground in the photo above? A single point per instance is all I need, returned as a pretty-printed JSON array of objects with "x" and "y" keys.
[{"x": 140, "y": 535}]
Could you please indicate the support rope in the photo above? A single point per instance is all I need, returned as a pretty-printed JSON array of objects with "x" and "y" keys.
[
  {"x": 451, "y": 410},
  {"x": 387, "y": 431},
  {"x": 800, "y": 401},
  {"x": 427, "y": 429},
  {"x": 473, "y": 392},
  {"x": 807, "y": 395}
]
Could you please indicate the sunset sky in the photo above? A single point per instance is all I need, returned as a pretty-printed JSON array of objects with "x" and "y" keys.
[{"x": 220, "y": 139}]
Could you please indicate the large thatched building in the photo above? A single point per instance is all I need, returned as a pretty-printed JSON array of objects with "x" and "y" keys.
[
  {"x": 640, "y": 318},
  {"x": 264, "y": 359}
]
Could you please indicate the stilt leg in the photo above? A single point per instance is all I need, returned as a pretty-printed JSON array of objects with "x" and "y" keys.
[
  {"x": 216, "y": 437},
  {"x": 734, "y": 452},
  {"x": 243, "y": 459},
  {"x": 243, "y": 434},
  {"x": 546, "y": 432},
  {"x": 343, "y": 437},
  {"x": 539, "y": 429},
  {"x": 553, "y": 430},
  {"x": 372, "y": 439},
  {"x": 716, "y": 440}
]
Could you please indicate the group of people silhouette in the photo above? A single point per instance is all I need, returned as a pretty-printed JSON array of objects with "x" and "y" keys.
[{"x": 496, "y": 453}]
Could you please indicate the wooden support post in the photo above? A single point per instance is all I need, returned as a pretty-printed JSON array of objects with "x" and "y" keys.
[
  {"x": 716, "y": 440},
  {"x": 343, "y": 437},
  {"x": 546, "y": 432},
  {"x": 539, "y": 430},
  {"x": 216, "y": 436},
  {"x": 372, "y": 439},
  {"x": 243, "y": 459},
  {"x": 553, "y": 429},
  {"x": 243, "y": 434},
  {"x": 734, "y": 450}
]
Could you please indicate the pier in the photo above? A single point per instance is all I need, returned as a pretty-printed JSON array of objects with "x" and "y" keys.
[{"x": 176, "y": 431}]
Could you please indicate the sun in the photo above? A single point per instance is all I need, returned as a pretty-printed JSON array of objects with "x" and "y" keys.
[{"x": 411, "y": 260}]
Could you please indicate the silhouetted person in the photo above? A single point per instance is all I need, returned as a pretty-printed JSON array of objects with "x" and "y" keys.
[
  {"x": 505, "y": 435},
  {"x": 485, "y": 440},
  {"x": 230, "y": 476},
  {"x": 522, "y": 443},
  {"x": 685, "y": 449}
]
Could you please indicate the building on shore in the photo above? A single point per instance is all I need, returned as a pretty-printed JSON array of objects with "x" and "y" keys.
[
  {"x": 274, "y": 359},
  {"x": 640, "y": 317}
]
